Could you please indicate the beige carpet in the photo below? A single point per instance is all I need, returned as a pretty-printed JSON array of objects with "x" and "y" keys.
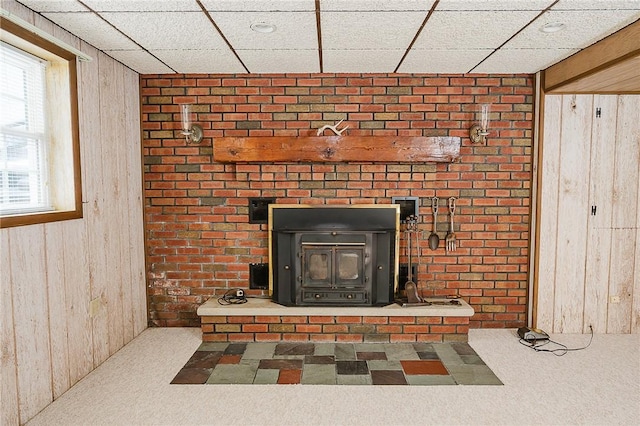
[{"x": 600, "y": 385}]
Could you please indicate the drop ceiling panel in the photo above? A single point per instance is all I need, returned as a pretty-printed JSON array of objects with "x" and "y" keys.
[
  {"x": 54, "y": 5},
  {"x": 281, "y": 61},
  {"x": 460, "y": 30},
  {"x": 369, "y": 30},
  {"x": 376, "y": 5},
  {"x": 442, "y": 61},
  {"x": 583, "y": 28},
  {"x": 522, "y": 60},
  {"x": 259, "y": 5},
  {"x": 90, "y": 28},
  {"x": 597, "y": 4},
  {"x": 168, "y": 30},
  {"x": 294, "y": 30},
  {"x": 143, "y": 5},
  {"x": 139, "y": 61},
  {"x": 200, "y": 61},
  {"x": 353, "y": 61},
  {"x": 360, "y": 36},
  {"x": 494, "y": 4}
]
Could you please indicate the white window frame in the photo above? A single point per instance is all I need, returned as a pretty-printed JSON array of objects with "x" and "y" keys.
[{"x": 60, "y": 148}]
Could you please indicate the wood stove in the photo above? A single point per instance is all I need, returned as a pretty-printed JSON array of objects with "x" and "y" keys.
[{"x": 333, "y": 255}]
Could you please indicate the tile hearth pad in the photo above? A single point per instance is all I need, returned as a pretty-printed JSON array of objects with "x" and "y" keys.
[{"x": 336, "y": 364}]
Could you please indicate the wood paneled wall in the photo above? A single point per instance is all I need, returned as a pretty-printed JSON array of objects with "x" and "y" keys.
[
  {"x": 589, "y": 247},
  {"x": 52, "y": 272}
]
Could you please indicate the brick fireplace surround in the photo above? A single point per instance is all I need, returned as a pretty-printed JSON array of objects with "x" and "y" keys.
[{"x": 198, "y": 237}]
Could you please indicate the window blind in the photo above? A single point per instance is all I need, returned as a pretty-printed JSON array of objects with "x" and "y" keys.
[{"x": 23, "y": 148}]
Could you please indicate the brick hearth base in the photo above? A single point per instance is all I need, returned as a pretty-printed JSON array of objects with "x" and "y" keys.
[{"x": 261, "y": 320}]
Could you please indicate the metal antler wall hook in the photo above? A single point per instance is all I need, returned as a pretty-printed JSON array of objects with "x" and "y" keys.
[{"x": 333, "y": 128}]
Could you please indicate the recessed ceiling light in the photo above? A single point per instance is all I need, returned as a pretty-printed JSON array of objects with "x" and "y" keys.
[
  {"x": 552, "y": 27},
  {"x": 263, "y": 27}
]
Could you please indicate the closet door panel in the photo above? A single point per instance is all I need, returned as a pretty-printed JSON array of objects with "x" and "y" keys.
[
  {"x": 596, "y": 292},
  {"x": 573, "y": 211},
  {"x": 624, "y": 216}
]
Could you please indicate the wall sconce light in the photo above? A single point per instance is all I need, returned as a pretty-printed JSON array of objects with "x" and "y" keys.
[
  {"x": 478, "y": 132},
  {"x": 192, "y": 132}
]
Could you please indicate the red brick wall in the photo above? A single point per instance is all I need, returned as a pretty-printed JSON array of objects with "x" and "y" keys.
[{"x": 199, "y": 241}]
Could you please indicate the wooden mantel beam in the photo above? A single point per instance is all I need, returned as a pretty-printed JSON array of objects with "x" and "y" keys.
[{"x": 337, "y": 149}]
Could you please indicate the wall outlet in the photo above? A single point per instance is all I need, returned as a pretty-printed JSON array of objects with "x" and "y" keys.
[
  {"x": 614, "y": 299},
  {"x": 94, "y": 307}
]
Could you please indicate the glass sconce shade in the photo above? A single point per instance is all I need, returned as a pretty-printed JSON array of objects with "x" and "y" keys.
[
  {"x": 192, "y": 132},
  {"x": 478, "y": 132}
]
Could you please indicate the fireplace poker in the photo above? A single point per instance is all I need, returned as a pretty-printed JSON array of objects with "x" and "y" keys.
[{"x": 410, "y": 288}]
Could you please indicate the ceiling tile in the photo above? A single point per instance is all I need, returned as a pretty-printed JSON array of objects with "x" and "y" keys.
[
  {"x": 583, "y": 28},
  {"x": 280, "y": 61},
  {"x": 139, "y": 61},
  {"x": 357, "y": 60},
  {"x": 261, "y": 5},
  {"x": 294, "y": 30},
  {"x": 143, "y": 5},
  {"x": 465, "y": 30},
  {"x": 369, "y": 30},
  {"x": 90, "y": 28},
  {"x": 54, "y": 5},
  {"x": 596, "y": 4},
  {"x": 442, "y": 61},
  {"x": 168, "y": 30},
  {"x": 200, "y": 61},
  {"x": 376, "y": 5},
  {"x": 494, "y": 4},
  {"x": 522, "y": 60}
]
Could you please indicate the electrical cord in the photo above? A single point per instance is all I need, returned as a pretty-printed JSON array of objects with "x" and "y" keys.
[
  {"x": 233, "y": 297},
  {"x": 560, "y": 351}
]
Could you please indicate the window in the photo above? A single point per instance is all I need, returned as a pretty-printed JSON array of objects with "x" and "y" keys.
[
  {"x": 39, "y": 147},
  {"x": 23, "y": 174}
]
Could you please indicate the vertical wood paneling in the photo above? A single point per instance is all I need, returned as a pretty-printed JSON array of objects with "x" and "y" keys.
[
  {"x": 77, "y": 290},
  {"x": 550, "y": 166},
  {"x": 8, "y": 384},
  {"x": 598, "y": 254},
  {"x": 635, "y": 314},
  {"x": 572, "y": 213},
  {"x": 597, "y": 279},
  {"x": 31, "y": 319},
  {"x": 51, "y": 272},
  {"x": 135, "y": 211},
  {"x": 109, "y": 123},
  {"x": 95, "y": 207},
  {"x": 624, "y": 215},
  {"x": 123, "y": 145},
  {"x": 57, "y": 305}
]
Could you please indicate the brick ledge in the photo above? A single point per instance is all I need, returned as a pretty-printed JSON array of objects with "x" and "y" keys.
[{"x": 256, "y": 306}]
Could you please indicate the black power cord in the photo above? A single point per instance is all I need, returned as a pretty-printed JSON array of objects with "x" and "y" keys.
[
  {"x": 233, "y": 297},
  {"x": 559, "y": 351}
]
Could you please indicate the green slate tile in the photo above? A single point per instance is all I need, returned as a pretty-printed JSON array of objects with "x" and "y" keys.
[
  {"x": 259, "y": 351},
  {"x": 473, "y": 375},
  {"x": 345, "y": 352},
  {"x": 354, "y": 379},
  {"x": 213, "y": 346},
  {"x": 232, "y": 374},
  {"x": 430, "y": 380},
  {"x": 319, "y": 374},
  {"x": 266, "y": 377}
]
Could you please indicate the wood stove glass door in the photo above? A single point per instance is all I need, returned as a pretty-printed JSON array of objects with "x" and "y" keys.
[{"x": 333, "y": 266}]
